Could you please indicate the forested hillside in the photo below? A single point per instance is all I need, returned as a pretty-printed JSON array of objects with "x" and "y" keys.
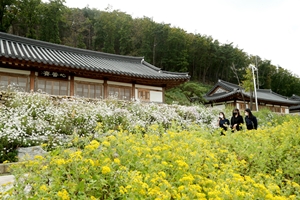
[{"x": 167, "y": 47}]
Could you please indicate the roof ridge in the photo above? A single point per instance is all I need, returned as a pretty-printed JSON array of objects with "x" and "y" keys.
[
  {"x": 295, "y": 96},
  {"x": 228, "y": 83},
  {"x": 176, "y": 73},
  {"x": 149, "y": 65},
  {"x": 60, "y": 47}
]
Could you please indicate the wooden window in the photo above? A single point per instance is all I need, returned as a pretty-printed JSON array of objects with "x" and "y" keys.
[
  {"x": 53, "y": 86},
  {"x": 144, "y": 94},
  {"x": 277, "y": 109},
  {"x": 88, "y": 90},
  {"x": 119, "y": 92},
  {"x": 18, "y": 81}
]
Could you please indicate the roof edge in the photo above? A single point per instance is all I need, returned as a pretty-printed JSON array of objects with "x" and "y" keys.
[{"x": 39, "y": 43}]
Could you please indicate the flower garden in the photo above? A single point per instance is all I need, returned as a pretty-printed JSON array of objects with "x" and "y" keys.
[{"x": 132, "y": 150}]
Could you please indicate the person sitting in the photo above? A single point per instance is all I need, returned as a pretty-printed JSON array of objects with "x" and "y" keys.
[
  {"x": 236, "y": 120},
  {"x": 250, "y": 119},
  {"x": 223, "y": 123}
]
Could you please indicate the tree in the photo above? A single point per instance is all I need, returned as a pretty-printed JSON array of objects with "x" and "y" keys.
[
  {"x": 187, "y": 93},
  {"x": 90, "y": 14},
  {"x": 7, "y": 14},
  {"x": 176, "y": 52},
  {"x": 284, "y": 82},
  {"x": 76, "y": 28},
  {"x": 27, "y": 19},
  {"x": 113, "y": 32},
  {"x": 248, "y": 84},
  {"x": 50, "y": 18}
]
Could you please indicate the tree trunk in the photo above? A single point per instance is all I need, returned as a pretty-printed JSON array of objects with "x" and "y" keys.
[
  {"x": 154, "y": 45},
  {"x": 251, "y": 99}
]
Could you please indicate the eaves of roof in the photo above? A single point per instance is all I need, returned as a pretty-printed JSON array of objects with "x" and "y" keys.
[
  {"x": 295, "y": 97},
  {"x": 268, "y": 95},
  {"x": 219, "y": 96},
  {"x": 262, "y": 94},
  {"x": 297, "y": 107},
  {"x": 226, "y": 85},
  {"x": 20, "y": 48}
]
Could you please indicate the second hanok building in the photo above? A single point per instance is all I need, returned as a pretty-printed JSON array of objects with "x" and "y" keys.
[{"x": 233, "y": 95}]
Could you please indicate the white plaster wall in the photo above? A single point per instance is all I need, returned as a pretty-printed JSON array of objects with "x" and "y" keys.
[
  {"x": 148, "y": 87},
  {"x": 287, "y": 111},
  {"x": 87, "y": 80},
  {"x": 119, "y": 83},
  {"x": 14, "y": 71},
  {"x": 156, "y": 96}
]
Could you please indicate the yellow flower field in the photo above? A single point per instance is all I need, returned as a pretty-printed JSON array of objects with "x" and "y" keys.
[{"x": 194, "y": 163}]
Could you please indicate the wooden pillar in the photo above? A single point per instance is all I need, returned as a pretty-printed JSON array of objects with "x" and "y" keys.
[
  {"x": 105, "y": 86},
  {"x": 32, "y": 79},
  {"x": 72, "y": 85},
  {"x": 133, "y": 92}
]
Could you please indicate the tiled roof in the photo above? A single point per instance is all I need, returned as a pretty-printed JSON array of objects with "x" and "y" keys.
[
  {"x": 220, "y": 95},
  {"x": 262, "y": 94},
  {"x": 16, "y": 47},
  {"x": 295, "y": 97}
]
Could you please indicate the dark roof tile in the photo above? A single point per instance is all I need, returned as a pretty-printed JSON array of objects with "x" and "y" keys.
[
  {"x": 16, "y": 47},
  {"x": 262, "y": 94}
]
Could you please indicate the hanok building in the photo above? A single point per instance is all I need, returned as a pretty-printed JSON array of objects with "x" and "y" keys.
[
  {"x": 233, "y": 95},
  {"x": 296, "y": 108},
  {"x": 61, "y": 70}
]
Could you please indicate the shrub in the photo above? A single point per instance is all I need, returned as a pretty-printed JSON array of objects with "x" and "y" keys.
[
  {"x": 29, "y": 119},
  {"x": 185, "y": 164}
]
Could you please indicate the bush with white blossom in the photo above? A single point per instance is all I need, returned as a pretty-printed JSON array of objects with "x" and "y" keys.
[{"x": 34, "y": 118}]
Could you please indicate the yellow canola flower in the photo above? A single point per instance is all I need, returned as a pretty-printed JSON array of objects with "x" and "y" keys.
[
  {"x": 181, "y": 188},
  {"x": 105, "y": 170},
  {"x": 106, "y": 143},
  {"x": 162, "y": 174},
  {"x": 182, "y": 164},
  {"x": 90, "y": 161},
  {"x": 92, "y": 146},
  {"x": 107, "y": 160},
  {"x": 76, "y": 155},
  {"x": 117, "y": 161},
  {"x": 44, "y": 188},
  {"x": 122, "y": 190},
  {"x": 38, "y": 157},
  {"x": 187, "y": 178},
  {"x": 63, "y": 194},
  {"x": 59, "y": 161}
]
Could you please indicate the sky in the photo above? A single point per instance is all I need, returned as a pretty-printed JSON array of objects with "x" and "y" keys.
[{"x": 269, "y": 29}]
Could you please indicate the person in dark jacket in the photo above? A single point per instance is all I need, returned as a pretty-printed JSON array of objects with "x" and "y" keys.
[
  {"x": 236, "y": 120},
  {"x": 250, "y": 119},
  {"x": 223, "y": 123}
]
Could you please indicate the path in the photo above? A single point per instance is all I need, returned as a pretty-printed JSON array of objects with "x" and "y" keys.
[{"x": 7, "y": 179}]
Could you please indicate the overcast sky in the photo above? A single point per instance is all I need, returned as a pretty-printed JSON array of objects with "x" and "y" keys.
[{"x": 267, "y": 28}]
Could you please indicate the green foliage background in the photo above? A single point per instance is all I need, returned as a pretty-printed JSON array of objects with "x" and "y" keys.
[{"x": 169, "y": 48}]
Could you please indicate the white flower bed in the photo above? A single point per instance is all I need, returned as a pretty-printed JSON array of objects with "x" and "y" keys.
[{"x": 34, "y": 117}]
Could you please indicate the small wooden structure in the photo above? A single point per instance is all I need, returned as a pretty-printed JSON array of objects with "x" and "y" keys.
[
  {"x": 233, "y": 95},
  {"x": 35, "y": 65}
]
